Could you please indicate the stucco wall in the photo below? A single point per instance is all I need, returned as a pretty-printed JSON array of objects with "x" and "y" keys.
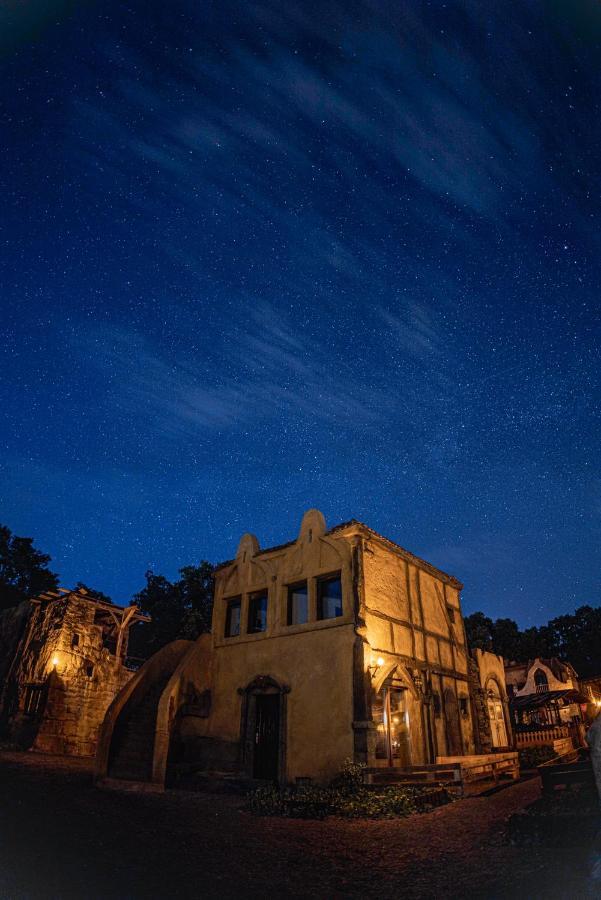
[
  {"x": 317, "y": 667},
  {"x": 393, "y": 607},
  {"x": 555, "y": 684},
  {"x": 314, "y": 660},
  {"x": 414, "y": 618}
]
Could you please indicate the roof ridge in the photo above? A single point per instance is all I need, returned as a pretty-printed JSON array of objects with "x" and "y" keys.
[{"x": 350, "y": 522}]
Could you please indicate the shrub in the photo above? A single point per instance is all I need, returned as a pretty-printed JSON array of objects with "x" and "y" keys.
[
  {"x": 347, "y": 796},
  {"x": 385, "y": 803},
  {"x": 350, "y": 778},
  {"x": 530, "y": 757},
  {"x": 308, "y": 802}
]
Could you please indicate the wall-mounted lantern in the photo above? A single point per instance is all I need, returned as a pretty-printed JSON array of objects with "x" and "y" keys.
[{"x": 376, "y": 664}]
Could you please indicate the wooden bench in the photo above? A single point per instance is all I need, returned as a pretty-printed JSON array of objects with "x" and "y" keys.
[{"x": 567, "y": 772}]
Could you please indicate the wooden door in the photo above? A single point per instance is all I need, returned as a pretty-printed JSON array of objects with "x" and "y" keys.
[{"x": 267, "y": 736}]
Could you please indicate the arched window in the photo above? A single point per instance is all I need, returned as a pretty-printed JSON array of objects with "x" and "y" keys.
[{"x": 541, "y": 681}]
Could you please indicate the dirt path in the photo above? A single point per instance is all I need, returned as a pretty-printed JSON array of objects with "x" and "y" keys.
[{"x": 62, "y": 838}]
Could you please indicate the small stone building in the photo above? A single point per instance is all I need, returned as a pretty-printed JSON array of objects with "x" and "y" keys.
[
  {"x": 490, "y": 702},
  {"x": 63, "y": 661},
  {"x": 337, "y": 644}
]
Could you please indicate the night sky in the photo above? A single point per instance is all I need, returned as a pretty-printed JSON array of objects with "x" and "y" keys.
[{"x": 258, "y": 257}]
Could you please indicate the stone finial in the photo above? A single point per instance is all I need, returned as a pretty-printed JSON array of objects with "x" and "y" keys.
[
  {"x": 247, "y": 547},
  {"x": 313, "y": 525}
]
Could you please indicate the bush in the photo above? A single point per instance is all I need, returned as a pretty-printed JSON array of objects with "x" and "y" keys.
[
  {"x": 350, "y": 777},
  {"x": 294, "y": 803},
  {"x": 531, "y": 757},
  {"x": 346, "y": 796},
  {"x": 385, "y": 803}
]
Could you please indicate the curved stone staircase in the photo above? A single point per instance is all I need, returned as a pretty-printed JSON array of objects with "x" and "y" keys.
[
  {"x": 132, "y": 747},
  {"x": 134, "y": 739}
]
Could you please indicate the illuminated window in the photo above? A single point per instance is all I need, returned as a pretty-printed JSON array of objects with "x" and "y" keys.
[
  {"x": 257, "y": 613},
  {"x": 298, "y": 605},
  {"x": 329, "y": 598},
  {"x": 232, "y": 617}
]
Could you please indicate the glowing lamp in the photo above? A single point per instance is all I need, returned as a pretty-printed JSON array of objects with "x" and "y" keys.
[
  {"x": 375, "y": 665},
  {"x": 55, "y": 661}
]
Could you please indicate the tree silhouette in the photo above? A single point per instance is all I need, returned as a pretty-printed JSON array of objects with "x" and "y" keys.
[
  {"x": 179, "y": 609},
  {"x": 24, "y": 570}
]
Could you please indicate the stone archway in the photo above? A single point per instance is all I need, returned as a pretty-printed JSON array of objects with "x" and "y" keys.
[
  {"x": 496, "y": 713},
  {"x": 263, "y": 728}
]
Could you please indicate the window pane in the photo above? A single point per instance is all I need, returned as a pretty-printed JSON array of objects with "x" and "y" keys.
[
  {"x": 232, "y": 618},
  {"x": 257, "y": 613},
  {"x": 298, "y": 607},
  {"x": 329, "y": 598}
]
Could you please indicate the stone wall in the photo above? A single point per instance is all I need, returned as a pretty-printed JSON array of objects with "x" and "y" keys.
[
  {"x": 488, "y": 689},
  {"x": 60, "y": 678},
  {"x": 482, "y": 731}
]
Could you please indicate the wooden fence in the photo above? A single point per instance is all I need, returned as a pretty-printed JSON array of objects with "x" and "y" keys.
[{"x": 536, "y": 737}]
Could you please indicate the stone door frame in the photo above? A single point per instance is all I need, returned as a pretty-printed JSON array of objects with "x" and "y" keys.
[{"x": 260, "y": 686}]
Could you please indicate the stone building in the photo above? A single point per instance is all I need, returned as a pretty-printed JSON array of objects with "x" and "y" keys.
[
  {"x": 64, "y": 659},
  {"x": 338, "y": 644},
  {"x": 490, "y": 702}
]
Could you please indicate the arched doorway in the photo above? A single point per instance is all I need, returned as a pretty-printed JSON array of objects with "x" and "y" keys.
[
  {"x": 453, "y": 729},
  {"x": 391, "y": 718},
  {"x": 263, "y": 728},
  {"x": 496, "y": 715}
]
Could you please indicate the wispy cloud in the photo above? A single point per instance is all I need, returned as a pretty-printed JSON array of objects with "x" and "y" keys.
[
  {"x": 415, "y": 330},
  {"x": 388, "y": 95},
  {"x": 262, "y": 370}
]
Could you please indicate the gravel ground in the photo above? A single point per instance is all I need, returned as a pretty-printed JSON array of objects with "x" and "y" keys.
[{"x": 62, "y": 838}]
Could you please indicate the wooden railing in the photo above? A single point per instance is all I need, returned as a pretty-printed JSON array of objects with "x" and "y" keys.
[
  {"x": 451, "y": 770},
  {"x": 544, "y": 734}
]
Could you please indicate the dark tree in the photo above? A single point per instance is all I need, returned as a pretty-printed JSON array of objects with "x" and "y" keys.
[
  {"x": 180, "y": 609},
  {"x": 507, "y": 639},
  {"x": 577, "y": 639},
  {"x": 574, "y": 638},
  {"x": 24, "y": 570},
  {"x": 479, "y": 631}
]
